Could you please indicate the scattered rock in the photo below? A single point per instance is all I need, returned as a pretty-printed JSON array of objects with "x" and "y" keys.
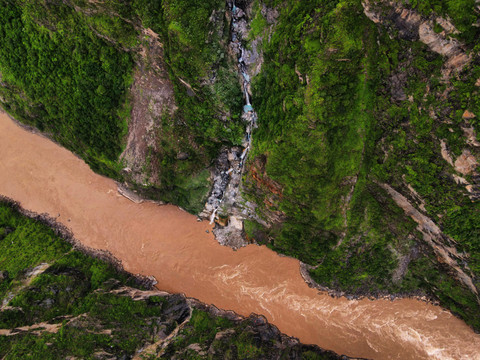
[
  {"x": 271, "y": 15},
  {"x": 445, "y": 153},
  {"x": 224, "y": 333},
  {"x": 196, "y": 347},
  {"x": 129, "y": 194},
  {"x": 466, "y": 163},
  {"x": 471, "y": 136},
  {"x": 232, "y": 156},
  {"x": 447, "y": 26},
  {"x": 182, "y": 156},
  {"x": 239, "y": 13},
  {"x": 103, "y": 355},
  {"x": 468, "y": 115},
  {"x": 236, "y": 222},
  {"x": 398, "y": 82},
  {"x": 48, "y": 303},
  {"x": 4, "y": 275},
  {"x": 241, "y": 27},
  {"x": 460, "y": 180}
]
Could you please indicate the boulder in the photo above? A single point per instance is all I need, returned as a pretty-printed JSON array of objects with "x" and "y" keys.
[
  {"x": 466, "y": 163},
  {"x": 4, "y": 275},
  {"x": 468, "y": 115},
  {"x": 182, "y": 156}
]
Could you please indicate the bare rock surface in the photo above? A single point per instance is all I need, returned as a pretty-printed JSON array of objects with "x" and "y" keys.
[
  {"x": 152, "y": 96},
  {"x": 466, "y": 163}
]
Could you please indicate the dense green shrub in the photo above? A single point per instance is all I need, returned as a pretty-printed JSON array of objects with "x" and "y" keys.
[
  {"x": 333, "y": 123},
  {"x": 63, "y": 79}
]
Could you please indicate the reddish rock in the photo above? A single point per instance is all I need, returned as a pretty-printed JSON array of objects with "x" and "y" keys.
[
  {"x": 468, "y": 115},
  {"x": 222, "y": 220}
]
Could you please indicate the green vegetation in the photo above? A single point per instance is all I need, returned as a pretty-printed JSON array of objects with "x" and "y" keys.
[
  {"x": 24, "y": 244},
  {"x": 225, "y": 339},
  {"x": 345, "y": 104},
  {"x": 190, "y": 191},
  {"x": 207, "y": 93},
  {"x": 64, "y": 80},
  {"x": 73, "y": 291},
  {"x": 67, "y": 69},
  {"x": 316, "y": 136}
]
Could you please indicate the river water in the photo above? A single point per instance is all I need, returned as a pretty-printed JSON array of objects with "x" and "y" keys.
[{"x": 182, "y": 254}]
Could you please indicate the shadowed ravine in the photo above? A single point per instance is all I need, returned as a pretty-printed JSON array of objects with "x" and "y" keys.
[{"x": 171, "y": 245}]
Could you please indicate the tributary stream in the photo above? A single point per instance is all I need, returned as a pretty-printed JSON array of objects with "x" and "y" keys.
[{"x": 184, "y": 257}]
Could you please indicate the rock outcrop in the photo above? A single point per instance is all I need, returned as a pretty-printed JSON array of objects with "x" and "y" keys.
[
  {"x": 412, "y": 26},
  {"x": 152, "y": 98},
  {"x": 466, "y": 163},
  {"x": 443, "y": 245}
]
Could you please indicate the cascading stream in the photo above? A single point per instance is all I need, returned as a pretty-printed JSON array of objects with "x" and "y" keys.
[{"x": 229, "y": 173}]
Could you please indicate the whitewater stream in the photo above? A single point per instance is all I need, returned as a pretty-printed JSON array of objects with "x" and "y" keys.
[
  {"x": 225, "y": 183},
  {"x": 182, "y": 254}
]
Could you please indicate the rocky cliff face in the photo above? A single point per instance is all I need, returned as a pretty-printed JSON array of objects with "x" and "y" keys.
[
  {"x": 226, "y": 204},
  {"x": 152, "y": 96},
  {"x": 413, "y": 27},
  {"x": 170, "y": 154}
]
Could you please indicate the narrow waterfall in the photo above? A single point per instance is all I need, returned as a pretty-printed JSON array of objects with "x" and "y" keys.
[{"x": 232, "y": 161}]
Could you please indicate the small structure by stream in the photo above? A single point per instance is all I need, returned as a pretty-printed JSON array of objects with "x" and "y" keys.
[{"x": 225, "y": 204}]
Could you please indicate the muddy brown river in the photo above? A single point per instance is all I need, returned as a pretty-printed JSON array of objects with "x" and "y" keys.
[{"x": 171, "y": 245}]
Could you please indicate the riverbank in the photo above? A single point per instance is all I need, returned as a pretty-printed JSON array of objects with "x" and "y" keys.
[
  {"x": 177, "y": 250},
  {"x": 304, "y": 271},
  {"x": 150, "y": 282},
  {"x": 53, "y": 294}
]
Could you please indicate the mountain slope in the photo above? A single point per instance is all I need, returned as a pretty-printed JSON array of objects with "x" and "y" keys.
[{"x": 364, "y": 162}]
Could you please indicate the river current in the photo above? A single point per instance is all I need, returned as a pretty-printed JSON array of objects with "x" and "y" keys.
[{"x": 182, "y": 254}]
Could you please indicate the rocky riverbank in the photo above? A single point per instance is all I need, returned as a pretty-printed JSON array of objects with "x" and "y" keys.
[
  {"x": 177, "y": 334},
  {"x": 420, "y": 296}
]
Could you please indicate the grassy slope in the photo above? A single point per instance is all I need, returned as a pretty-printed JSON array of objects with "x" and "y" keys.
[
  {"x": 61, "y": 78},
  {"x": 318, "y": 137}
]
